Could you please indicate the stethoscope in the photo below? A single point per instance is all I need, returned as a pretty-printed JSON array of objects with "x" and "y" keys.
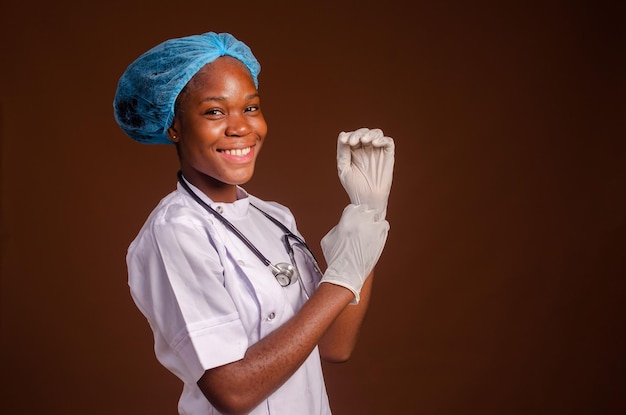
[{"x": 286, "y": 274}]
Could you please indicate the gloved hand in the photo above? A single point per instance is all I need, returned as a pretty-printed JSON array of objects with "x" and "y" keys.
[
  {"x": 365, "y": 160},
  {"x": 353, "y": 247}
]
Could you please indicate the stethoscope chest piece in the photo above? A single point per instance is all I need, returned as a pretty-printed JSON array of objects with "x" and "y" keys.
[{"x": 284, "y": 273}]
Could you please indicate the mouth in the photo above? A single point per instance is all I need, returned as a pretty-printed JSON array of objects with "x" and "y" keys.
[{"x": 236, "y": 152}]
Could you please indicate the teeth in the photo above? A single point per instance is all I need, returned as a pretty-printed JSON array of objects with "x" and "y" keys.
[{"x": 238, "y": 152}]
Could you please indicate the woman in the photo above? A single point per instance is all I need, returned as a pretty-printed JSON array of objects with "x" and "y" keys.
[{"x": 239, "y": 310}]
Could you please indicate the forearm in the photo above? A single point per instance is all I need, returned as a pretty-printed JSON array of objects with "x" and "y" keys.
[
  {"x": 239, "y": 386},
  {"x": 339, "y": 341}
]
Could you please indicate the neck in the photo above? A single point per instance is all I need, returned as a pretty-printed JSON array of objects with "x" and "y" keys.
[{"x": 216, "y": 191}]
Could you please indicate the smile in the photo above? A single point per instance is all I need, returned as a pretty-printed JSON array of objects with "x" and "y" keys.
[{"x": 237, "y": 152}]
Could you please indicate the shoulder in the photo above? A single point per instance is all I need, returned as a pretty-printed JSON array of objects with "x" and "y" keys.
[
  {"x": 178, "y": 208},
  {"x": 277, "y": 210},
  {"x": 174, "y": 211}
]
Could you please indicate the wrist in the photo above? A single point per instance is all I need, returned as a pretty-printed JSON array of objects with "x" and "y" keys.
[{"x": 341, "y": 290}]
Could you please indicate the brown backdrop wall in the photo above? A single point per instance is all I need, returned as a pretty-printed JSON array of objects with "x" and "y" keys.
[{"x": 501, "y": 288}]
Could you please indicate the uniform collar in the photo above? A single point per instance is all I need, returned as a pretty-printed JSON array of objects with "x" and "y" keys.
[{"x": 231, "y": 210}]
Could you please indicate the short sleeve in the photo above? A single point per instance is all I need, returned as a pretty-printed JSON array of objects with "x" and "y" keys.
[{"x": 177, "y": 281}]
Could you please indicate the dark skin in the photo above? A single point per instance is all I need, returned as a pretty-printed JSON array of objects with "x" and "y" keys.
[{"x": 219, "y": 130}]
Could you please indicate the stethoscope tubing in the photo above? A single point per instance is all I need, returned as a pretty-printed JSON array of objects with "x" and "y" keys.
[{"x": 238, "y": 233}]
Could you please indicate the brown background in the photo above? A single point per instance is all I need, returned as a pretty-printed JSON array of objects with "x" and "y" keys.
[{"x": 502, "y": 286}]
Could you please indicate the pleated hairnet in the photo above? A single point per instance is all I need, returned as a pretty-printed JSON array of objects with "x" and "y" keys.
[{"x": 147, "y": 91}]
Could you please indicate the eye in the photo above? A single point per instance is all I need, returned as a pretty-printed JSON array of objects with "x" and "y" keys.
[
  {"x": 252, "y": 108},
  {"x": 214, "y": 112}
]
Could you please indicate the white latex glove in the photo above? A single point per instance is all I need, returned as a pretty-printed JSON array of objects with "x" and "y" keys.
[
  {"x": 365, "y": 160},
  {"x": 353, "y": 247}
]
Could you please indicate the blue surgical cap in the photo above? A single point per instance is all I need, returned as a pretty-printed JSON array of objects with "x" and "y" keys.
[{"x": 147, "y": 91}]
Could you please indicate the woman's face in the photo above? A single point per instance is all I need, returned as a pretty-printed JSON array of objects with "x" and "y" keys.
[{"x": 219, "y": 128}]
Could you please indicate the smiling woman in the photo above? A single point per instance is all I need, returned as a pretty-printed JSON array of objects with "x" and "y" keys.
[
  {"x": 219, "y": 128},
  {"x": 245, "y": 334}
]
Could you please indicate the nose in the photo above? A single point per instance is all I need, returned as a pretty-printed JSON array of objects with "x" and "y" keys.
[{"x": 238, "y": 126}]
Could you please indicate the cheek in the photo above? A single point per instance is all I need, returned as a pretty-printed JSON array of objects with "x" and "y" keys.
[
  {"x": 261, "y": 127},
  {"x": 204, "y": 132},
  {"x": 197, "y": 140}
]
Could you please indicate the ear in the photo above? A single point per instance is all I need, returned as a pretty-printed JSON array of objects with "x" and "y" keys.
[{"x": 173, "y": 131}]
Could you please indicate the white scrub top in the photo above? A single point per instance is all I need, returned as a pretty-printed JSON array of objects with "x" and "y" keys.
[{"x": 208, "y": 298}]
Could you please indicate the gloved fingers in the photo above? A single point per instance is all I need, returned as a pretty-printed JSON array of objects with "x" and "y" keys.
[
  {"x": 365, "y": 160},
  {"x": 360, "y": 137},
  {"x": 343, "y": 137},
  {"x": 370, "y": 158},
  {"x": 365, "y": 137},
  {"x": 344, "y": 152},
  {"x": 386, "y": 143},
  {"x": 352, "y": 137},
  {"x": 348, "y": 142}
]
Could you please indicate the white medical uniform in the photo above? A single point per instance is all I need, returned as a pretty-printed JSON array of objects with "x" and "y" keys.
[{"x": 208, "y": 298}]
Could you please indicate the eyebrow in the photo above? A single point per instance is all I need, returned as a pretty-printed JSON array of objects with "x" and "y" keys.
[{"x": 249, "y": 97}]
